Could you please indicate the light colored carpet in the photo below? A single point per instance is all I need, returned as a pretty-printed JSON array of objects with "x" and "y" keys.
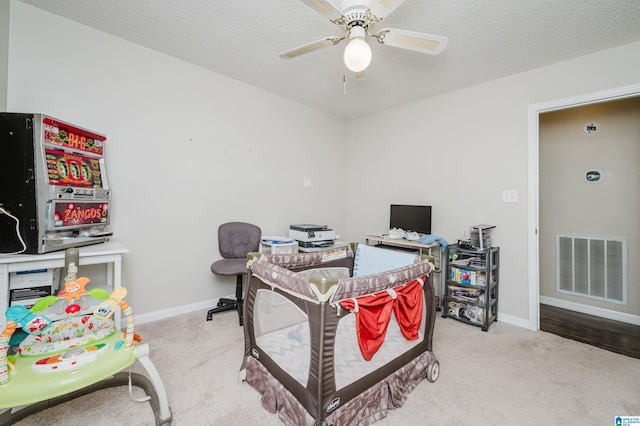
[{"x": 507, "y": 375}]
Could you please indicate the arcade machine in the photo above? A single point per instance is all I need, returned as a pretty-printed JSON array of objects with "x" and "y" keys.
[{"x": 53, "y": 186}]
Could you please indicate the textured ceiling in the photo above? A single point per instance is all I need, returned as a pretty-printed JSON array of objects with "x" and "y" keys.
[{"x": 488, "y": 39}]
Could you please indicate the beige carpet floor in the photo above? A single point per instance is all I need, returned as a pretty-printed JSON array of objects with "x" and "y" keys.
[{"x": 506, "y": 376}]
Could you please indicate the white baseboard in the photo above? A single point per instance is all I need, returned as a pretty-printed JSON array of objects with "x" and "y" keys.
[
  {"x": 178, "y": 310},
  {"x": 509, "y": 319},
  {"x": 591, "y": 310}
]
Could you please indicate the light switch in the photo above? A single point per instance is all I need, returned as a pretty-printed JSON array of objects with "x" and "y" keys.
[{"x": 307, "y": 182}]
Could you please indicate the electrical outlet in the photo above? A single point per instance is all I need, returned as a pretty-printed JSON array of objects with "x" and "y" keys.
[
  {"x": 307, "y": 182},
  {"x": 509, "y": 196}
]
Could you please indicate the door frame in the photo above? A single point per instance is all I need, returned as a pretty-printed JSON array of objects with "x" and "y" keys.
[{"x": 533, "y": 247}]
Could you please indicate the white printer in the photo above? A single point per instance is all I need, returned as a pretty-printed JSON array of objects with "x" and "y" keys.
[{"x": 308, "y": 235}]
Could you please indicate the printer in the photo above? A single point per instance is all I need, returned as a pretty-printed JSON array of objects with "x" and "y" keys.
[{"x": 308, "y": 235}]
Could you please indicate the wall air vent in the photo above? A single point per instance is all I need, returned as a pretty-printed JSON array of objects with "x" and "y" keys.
[{"x": 592, "y": 267}]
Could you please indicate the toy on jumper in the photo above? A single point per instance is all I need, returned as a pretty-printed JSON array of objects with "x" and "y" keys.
[{"x": 84, "y": 352}]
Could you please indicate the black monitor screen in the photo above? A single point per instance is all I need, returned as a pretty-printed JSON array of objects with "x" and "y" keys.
[{"x": 411, "y": 218}]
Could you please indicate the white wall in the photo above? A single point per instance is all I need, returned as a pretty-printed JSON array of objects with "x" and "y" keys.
[
  {"x": 458, "y": 152},
  {"x": 187, "y": 150}
]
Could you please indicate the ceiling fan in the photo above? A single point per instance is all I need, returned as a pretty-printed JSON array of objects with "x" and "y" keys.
[{"x": 358, "y": 17}]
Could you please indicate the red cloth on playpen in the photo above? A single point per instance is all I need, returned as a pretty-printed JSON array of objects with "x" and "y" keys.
[{"x": 373, "y": 314}]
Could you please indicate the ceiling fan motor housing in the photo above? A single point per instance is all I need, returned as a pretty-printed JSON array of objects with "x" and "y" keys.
[{"x": 355, "y": 13}]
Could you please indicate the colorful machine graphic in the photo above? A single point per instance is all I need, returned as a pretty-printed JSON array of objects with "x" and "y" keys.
[
  {"x": 79, "y": 213},
  {"x": 72, "y": 169}
]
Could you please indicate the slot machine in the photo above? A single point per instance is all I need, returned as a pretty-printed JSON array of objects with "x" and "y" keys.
[{"x": 53, "y": 185}]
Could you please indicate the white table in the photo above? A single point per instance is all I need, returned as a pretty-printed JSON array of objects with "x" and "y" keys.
[
  {"x": 109, "y": 253},
  {"x": 434, "y": 249}
]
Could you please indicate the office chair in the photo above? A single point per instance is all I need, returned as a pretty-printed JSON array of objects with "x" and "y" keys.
[{"x": 235, "y": 241}]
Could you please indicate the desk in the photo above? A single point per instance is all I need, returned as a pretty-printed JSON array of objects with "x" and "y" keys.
[
  {"x": 378, "y": 239},
  {"x": 109, "y": 253}
]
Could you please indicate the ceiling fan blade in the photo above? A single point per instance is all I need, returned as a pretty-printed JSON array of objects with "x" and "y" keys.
[
  {"x": 324, "y": 8},
  {"x": 419, "y": 42},
  {"x": 383, "y": 8},
  {"x": 310, "y": 47}
]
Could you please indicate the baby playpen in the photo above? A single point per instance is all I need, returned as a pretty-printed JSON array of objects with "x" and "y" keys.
[{"x": 337, "y": 338}]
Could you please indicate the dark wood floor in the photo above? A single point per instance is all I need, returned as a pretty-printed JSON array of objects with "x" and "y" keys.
[{"x": 604, "y": 333}]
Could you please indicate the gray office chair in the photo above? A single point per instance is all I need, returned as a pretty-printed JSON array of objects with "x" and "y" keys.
[{"x": 235, "y": 241}]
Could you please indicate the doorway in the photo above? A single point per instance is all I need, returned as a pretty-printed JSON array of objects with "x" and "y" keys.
[
  {"x": 534, "y": 189},
  {"x": 589, "y": 209}
]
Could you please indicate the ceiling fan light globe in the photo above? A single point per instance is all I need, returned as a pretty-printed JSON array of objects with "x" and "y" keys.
[{"x": 357, "y": 55}]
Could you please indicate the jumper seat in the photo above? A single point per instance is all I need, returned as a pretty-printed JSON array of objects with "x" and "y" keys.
[{"x": 81, "y": 353}]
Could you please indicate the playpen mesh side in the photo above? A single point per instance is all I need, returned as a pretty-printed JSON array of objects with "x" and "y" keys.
[
  {"x": 349, "y": 365},
  {"x": 282, "y": 331}
]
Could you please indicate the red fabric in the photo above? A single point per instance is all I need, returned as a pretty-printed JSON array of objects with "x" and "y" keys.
[
  {"x": 372, "y": 319},
  {"x": 374, "y": 313},
  {"x": 408, "y": 308}
]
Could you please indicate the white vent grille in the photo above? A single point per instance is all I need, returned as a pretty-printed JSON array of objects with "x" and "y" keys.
[{"x": 592, "y": 267}]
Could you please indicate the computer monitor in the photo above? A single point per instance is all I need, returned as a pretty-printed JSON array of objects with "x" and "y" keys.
[{"x": 411, "y": 218}]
